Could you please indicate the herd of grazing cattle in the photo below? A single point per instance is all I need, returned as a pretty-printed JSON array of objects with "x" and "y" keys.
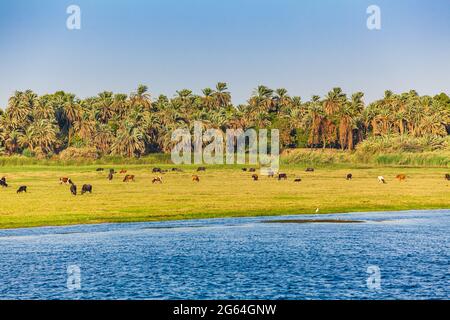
[
  {"x": 87, "y": 188},
  {"x": 73, "y": 187},
  {"x": 283, "y": 176}
]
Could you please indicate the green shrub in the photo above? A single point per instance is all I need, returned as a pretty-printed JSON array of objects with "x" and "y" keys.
[{"x": 27, "y": 153}]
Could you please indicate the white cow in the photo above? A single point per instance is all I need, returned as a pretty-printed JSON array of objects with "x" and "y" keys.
[{"x": 381, "y": 179}]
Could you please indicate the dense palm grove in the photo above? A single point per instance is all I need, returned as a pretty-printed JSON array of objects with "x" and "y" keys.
[{"x": 134, "y": 125}]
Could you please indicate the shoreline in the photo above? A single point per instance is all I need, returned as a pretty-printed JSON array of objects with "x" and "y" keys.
[{"x": 288, "y": 218}]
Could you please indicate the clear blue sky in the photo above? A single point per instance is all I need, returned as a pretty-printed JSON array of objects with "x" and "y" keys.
[{"x": 307, "y": 47}]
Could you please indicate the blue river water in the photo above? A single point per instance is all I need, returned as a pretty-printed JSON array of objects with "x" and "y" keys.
[{"x": 237, "y": 258}]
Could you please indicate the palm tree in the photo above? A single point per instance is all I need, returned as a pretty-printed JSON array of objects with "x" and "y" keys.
[
  {"x": 72, "y": 112},
  {"x": 44, "y": 109},
  {"x": 334, "y": 100},
  {"x": 208, "y": 98},
  {"x": 19, "y": 109},
  {"x": 262, "y": 99},
  {"x": 185, "y": 96},
  {"x": 134, "y": 125},
  {"x": 281, "y": 100},
  {"x": 141, "y": 97},
  {"x": 103, "y": 138},
  {"x": 120, "y": 104},
  {"x": 130, "y": 141},
  {"x": 104, "y": 106},
  {"x": 222, "y": 96},
  {"x": 85, "y": 126},
  {"x": 40, "y": 134},
  {"x": 349, "y": 117},
  {"x": 317, "y": 115}
]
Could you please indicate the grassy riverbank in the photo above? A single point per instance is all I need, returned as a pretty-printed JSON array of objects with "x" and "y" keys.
[{"x": 222, "y": 192}]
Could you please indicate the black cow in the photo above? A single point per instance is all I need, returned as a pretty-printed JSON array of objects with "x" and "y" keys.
[
  {"x": 157, "y": 170},
  {"x": 3, "y": 182},
  {"x": 110, "y": 176},
  {"x": 22, "y": 189},
  {"x": 201, "y": 169},
  {"x": 112, "y": 171},
  {"x": 244, "y": 169},
  {"x": 255, "y": 177},
  {"x": 176, "y": 170},
  {"x": 73, "y": 189},
  {"x": 309, "y": 170},
  {"x": 252, "y": 170},
  {"x": 447, "y": 176},
  {"x": 298, "y": 180},
  {"x": 100, "y": 169},
  {"x": 349, "y": 176},
  {"x": 86, "y": 188},
  {"x": 282, "y": 176}
]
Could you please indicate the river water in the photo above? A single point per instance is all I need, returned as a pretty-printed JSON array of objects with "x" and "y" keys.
[{"x": 388, "y": 255}]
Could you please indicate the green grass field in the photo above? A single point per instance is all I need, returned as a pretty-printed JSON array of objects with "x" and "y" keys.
[{"x": 222, "y": 192}]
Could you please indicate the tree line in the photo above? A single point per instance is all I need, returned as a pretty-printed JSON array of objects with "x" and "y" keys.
[{"x": 136, "y": 124}]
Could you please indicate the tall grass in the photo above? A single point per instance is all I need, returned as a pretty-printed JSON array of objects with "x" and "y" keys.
[
  {"x": 107, "y": 160},
  {"x": 401, "y": 144},
  {"x": 314, "y": 157},
  {"x": 383, "y": 151},
  {"x": 429, "y": 159},
  {"x": 390, "y": 150},
  {"x": 405, "y": 150},
  {"x": 305, "y": 157}
]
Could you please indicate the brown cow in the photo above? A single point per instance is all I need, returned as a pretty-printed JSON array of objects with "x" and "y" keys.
[
  {"x": 64, "y": 180},
  {"x": 128, "y": 178},
  {"x": 157, "y": 180},
  {"x": 401, "y": 177},
  {"x": 255, "y": 177},
  {"x": 123, "y": 171},
  {"x": 196, "y": 178},
  {"x": 447, "y": 176}
]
